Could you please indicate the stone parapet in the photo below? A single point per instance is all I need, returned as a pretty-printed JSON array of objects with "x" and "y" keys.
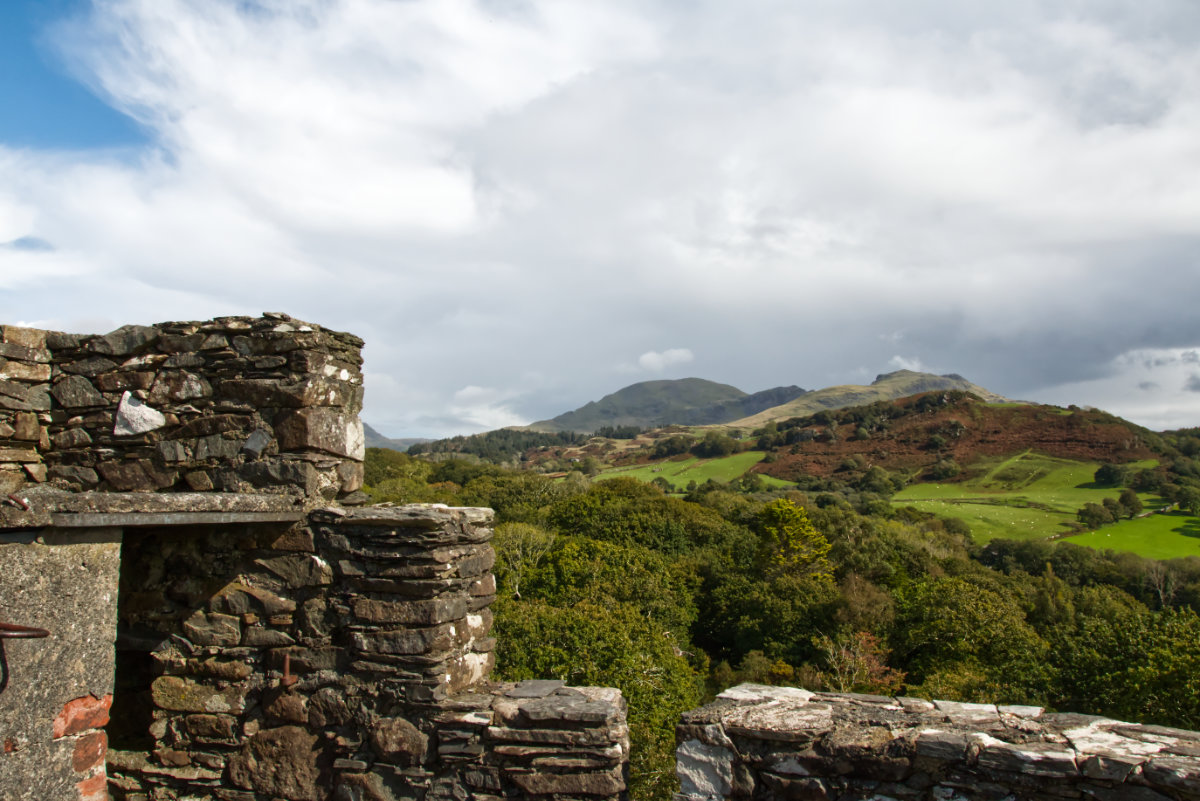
[
  {"x": 234, "y": 404},
  {"x": 783, "y": 743},
  {"x": 345, "y": 656}
]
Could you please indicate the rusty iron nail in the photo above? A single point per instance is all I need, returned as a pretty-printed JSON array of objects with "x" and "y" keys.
[
  {"x": 19, "y": 501},
  {"x": 288, "y": 679}
]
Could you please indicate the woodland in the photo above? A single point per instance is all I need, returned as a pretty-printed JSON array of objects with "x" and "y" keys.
[{"x": 821, "y": 583}]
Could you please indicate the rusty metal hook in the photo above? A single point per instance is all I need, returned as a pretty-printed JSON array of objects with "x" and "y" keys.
[
  {"x": 10, "y": 631},
  {"x": 288, "y": 679}
]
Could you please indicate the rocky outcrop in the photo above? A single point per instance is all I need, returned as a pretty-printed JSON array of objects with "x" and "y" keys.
[{"x": 784, "y": 743}]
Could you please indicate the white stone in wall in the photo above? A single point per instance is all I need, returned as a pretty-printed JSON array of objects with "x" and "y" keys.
[
  {"x": 705, "y": 771},
  {"x": 135, "y": 417}
]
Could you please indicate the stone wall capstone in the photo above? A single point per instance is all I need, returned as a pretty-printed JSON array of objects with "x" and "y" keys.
[{"x": 781, "y": 743}]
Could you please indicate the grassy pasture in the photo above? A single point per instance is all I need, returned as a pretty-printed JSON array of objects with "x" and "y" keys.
[
  {"x": 1027, "y": 496},
  {"x": 1164, "y": 536},
  {"x": 679, "y": 473}
]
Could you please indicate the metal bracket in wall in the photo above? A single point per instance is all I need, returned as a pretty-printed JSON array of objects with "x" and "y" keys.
[{"x": 11, "y": 631}]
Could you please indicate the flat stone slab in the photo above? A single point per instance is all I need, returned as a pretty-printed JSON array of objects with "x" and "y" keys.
[{"x": 51, "y": 507}]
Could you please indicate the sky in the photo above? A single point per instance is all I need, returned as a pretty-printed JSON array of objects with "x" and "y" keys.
[{"x": 524, "y": 205}]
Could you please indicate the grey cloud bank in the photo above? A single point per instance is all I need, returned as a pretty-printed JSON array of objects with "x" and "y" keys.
[{"x": 529, "y": 205}]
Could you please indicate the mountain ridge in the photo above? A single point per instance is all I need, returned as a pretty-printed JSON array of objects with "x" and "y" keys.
[{"x": 698, "y": 401}]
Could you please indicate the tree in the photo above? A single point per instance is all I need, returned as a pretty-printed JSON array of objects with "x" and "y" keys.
[
  {"x": 1093, "y": 515},
  {"x": 519, "y": 547},
  {"x": 789, "y": 544},
  {"x": 1111, "y": 475},
  {"x": 607, "y": 646},
  {"x": 857, "y": 663},
  {"x": 1130, "y": 503}
]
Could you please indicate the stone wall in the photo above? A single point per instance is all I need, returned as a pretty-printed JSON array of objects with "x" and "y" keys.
[
  {"x": 345, "y": 657},
  {"x": 782, "y": 743},
  {"x": 180, "y": 508},
  {"x": 235, "y": 404}
]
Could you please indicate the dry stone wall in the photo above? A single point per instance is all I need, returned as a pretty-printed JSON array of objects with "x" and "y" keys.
[
  {"x": 782, "y": 743},
  {"x": 344, "y": 657},
  {"x": 235, "y": 404}
]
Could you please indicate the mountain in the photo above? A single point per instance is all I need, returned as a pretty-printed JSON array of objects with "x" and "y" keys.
[
  {"x": 377, "y": 440},
  {"x": 888, "y": 386},
  {"x": 684, "y": 401}
]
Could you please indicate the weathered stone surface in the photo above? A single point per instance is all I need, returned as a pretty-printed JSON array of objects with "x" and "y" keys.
[
  {"x": 281, "y": 762},
  {"x": 135, "y": 417},
  {"x": 172, "y": 386},
  {"x": 299, "y": 570},
  {"x": 32, "y": 338},
  {"x": 90, "y": 367},
  {"x": 213, "y": 628},
  {"x": 125, "y": 340},
  {"x": 881, "y": 748},
  {"x": 211, "y": 728},
  {"x": 610, "y": 782},
  {"x": 125, "y": 380},
  {"x": 180, "y": 694},
  {"x": 75, "y": 391},
  {"x": 71, "y": 438},
  {"x": 257, "y": 442},
  {"x": 398, "y": 741},
  {"x": 321, "y": 428},
  {"x": 420, "y": 613},
  {"x": 22, "y": 371},
  {"x": 404, "y": 641},
  {"x": 139, "y": 476}
]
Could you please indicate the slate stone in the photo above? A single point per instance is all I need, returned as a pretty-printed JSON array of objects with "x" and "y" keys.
[
  {"x": 398, "y": 741},
  {"x": 23, "y": 371},
  {"x": 179, "y": 694},
  {"x": 124, "y": 341},
  {"x": 282, "y": 762},
  {"x": 299, "y": 570},
  {"x": 213, "y": 628},
  {"x": 325, "y": 429},
  {"x": 76, "y": 392},
  {"x": 80, "y": 475},
  {"x": 71, "y": 438},
  {"x": 257, "y": 442},
  {"x": 90, "y": 367},
  {"x": 26, "y": 427}
]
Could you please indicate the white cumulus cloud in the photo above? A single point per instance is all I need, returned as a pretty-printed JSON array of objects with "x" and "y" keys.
[{"x": 656, "y": 361}]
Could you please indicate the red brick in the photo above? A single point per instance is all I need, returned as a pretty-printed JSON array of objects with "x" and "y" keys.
[
  {"x": 93, "y": 789},
  {"x": 88, "y": 712},
  {"x": 90, "y": 750}
]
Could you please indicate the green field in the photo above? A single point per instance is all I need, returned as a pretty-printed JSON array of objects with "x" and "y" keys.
[
  {"x": 1028, "y": 496},
  {"x": 680, "y": 473},
  {"x": 1164, "y": 536}
]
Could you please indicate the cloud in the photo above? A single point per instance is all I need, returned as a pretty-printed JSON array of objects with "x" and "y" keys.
[
  {"x": 1157, "y": 388},
  {"x": 514, "y": 196},
  {"x": 902, "y": 363},
  {"x": 484, "y": 408},
  {"x": 656, "y": 362}
]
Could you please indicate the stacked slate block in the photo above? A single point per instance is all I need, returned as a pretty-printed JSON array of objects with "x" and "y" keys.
[
  {"x": 235, "y": 404},
  {"x": 768, "y": 743}
]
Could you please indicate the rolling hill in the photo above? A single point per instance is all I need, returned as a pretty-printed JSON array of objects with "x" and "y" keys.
[
  {"x": 684, "y": 401},
  {"x": 889, "y": 386},
  {"x": 376, "y": 440}
]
